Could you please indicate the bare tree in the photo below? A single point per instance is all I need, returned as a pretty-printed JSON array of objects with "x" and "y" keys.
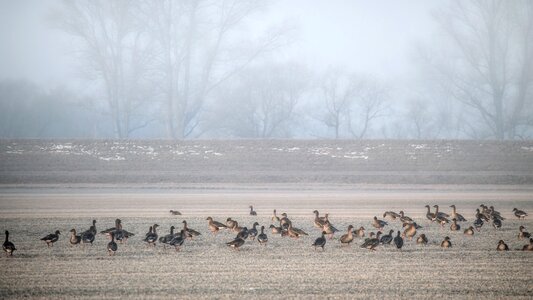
[
  {"x": 338, "y": 90},
  {"x": 371, "y": 103}
]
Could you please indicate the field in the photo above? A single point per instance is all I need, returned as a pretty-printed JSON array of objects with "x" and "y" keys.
[{"x": 63, "y": 187}]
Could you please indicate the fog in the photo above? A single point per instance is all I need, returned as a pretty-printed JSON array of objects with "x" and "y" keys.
[{"x": 266, "y": 69}]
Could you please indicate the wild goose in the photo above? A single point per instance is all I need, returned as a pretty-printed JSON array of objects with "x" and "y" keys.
[
  {"x": 502, "y": 246},
  {"x": 455, "y": 226},
  {"x": 320, "y": 241},
  {"x": 497, "y": 223},
  {"x": 285, "y": 221},
  {"x": 409, "y": 231},
  {"x": 236, "y": 228},
  {"x": 478, "y": 223},
  {"x": 439, "y": 213},
  {"x": 236, "y": 243},
  {"x": 392, "y": 215},
  {"x": 112, "y": 246},
  {"x": 319, "y": 222},
  {"x": 347, "y": 238},
  {"x": 252, "y": 233},
  {"x": 379, "y": 224},
  {"x": 252, "y": 211},
  {"x": 175, "y": 212},
  {"x": 74, "y": 238},
  {"x": 243, "y": 234},
  {"x": 230, "y": 223},
  {"x": 275, "y": 230},
  {"x": 329, "y": 229},
  {"x": 262, "y": 238},
  {"x": 8, "y": 246},
  {"x": 191, "y": 233},
  {"x": 441, "y": 220},
  {"x": 398, "y": 241},
  {"x": 151, "y": 237},
  {"x": 405, "y": 219},
  {"x": 359, "y": 232},
  {"x": 150, "y": 230},
  {"x": 295, "y": 232},
  {"x": 372, "y": 243},
  {"x": 520, "y": 214},
  {"x": 523, "y": 234},
  {"x": 446, "y": 243},
  {"x": 167, "y": 238},
  {"x": 214, "y": 226},
  {"x": 495, "y": 214},
  {"x": 528, "y": 247},
  {"x": 456, "y": 215},
  {"x": 178, "y": 240},
  {"x": 109, "y": 230},
  {"x": 370, "y": 236},
  {"x": 482, "y": 215},
  {"x": 429, "y": 215},
  {"x": 88, "y": 236},
  {"x": 51, "y": 238},
  {"x": 275, "y": 217},
  {"x": 387, "y": 238},
  {"x": 422, "y": 239},
  {"x": 469, "y": 231}
]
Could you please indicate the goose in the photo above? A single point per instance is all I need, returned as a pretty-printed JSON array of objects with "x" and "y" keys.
[
  {"x": 422, "y": 239},
  {"x": 285, "y": 221},
  {"x": 409, "y": 231},
  {"x": 329, "y": 229},
  {"x": 191, "y": 233},
  {"x": 370, "y": 236},
  {"x": 480, "y": 215},
  {"x": 252, "y": 211},
  {"x": 295, "y": 232},
  {"x": 469, "y": 231},
  {"x": 405, "y": 219},
  {"x": 372, "y": 243},
  {"x": 167, "y": 238},
  {"x": 151, "y": 237},
  {"x": 455, "y": 226},
  {"x": 275, "y": 230},
  {"x": 51, "y": 238},
  {"x": 236, "y": 243},
  {"x": 398, "y": 241},
  {"x": 230, "y": 224},
  {"x": 177, "y": 240},
  {"x": 88, "y": 236},
  {"x": 347, "y": 238},
  {"x": 502, "y": 246},
  {"x": 392, "y": 215},
  {"x": 495, "y": 214},
  {"x": 121, "y": 235},
  {"x": 319, "y": 222},
  {"x": 379, "y": 224},
  {"x": 320, "y": 241},
  {"x": 262, "y": 238},
  {"x": 112, "y": 246},
  {"x": 523, "y": 234},
  {"x": 478, "y": 223},
  {"x": 528, "y": 247},
  {"x": 359, "y": 232},
  {"x": 175, "y": 213},
  {"x": 74, "y": 239},
  {"x": 520, "y": 214},
  {"x": 485, "y": 212},
  {"x": 446, "y": 243},
  {"x": 275, "y": 218},
  {"x": 441, "y": 220},
  {"x": 429, "y": 215},
  {"x": 387, "y": 238},
  {"x": 456, "y": 215},
  {"x": 497, "y": 223},
  {"x": 236, "y": 228},
  {"x": 253, "y": 232},
  {"x": 150, "y": 230},
  {"x": 109, "y": 230},
  {"x": 214, "y": 226},
  {"x": 243, "y": 234},
  {"x": 440, "y": 214},
  {"x": 8, "y": 246}
]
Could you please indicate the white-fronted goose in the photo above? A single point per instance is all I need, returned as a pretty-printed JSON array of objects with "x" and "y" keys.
[
  {"x": 74, "y": 238},
  {"x": 482, "y": 215},
  {"x": 285, "y": 221},
  {"x": 214, "y": 226},
  {"x": 439, "y": 213},
  {"x": 230, "y": 223},
  {"x": 495, "y": 214},
  {"x": 405, "y": 219},
  {"x": 347, "y": 238},
  {"x": 191, "y": 233},
  {"x": 319, "y": 222},
  {"x": 387, "y": 238},
  {"x": 236, "y": 243},
  {"x": 379, "y": 224},
  {"x": 469, "y": 231},
  {"x": 151, "y": 237},
  {"x": 429, "y": 215},
  {"x": 497, "y": 223},
  {"x": 175, "y": 212},
  {"x": 441, "y": 220},
  {"x": 262, "y": 238},
  {"x": 409, "y": 231},
  {"x": 51, "y": 238},
  {"x": 392, "y": 215},
  {"x": 455, "y": 226},
  {"x": 295, "y": 232},
  {"x": 520, "y": 214},
  {"x": 456, "y": 215},
  {"x": 320, "y": 241},
  {"x": 8, "y": 246},
  {"x": 275, "y": 230},
  {"x": 329, "y": 229},
  {"x": 112, "y": 246},
  {"x": 359, "y": 232},
  {"x": 178, "y": 240},
  {"x": 523, "y": 234},
  {"x": 109, "y": 230},
  {"x": 372, "y": 243},
  {"x": 275, "y": 217},
  {"x": 167, "y": 238},
  {"x": 502, "y": 246},
  {"x": 446, "y": 243},
  {"x": 243, "y": 234},
  {"x": 252, "y": 211},
  {"x": 398, "y": 241},
  {"x": 528, "y": 247},
  {"x": 252, "y": 233},
  {"x": 88, "y": 236},
  {"x": 478, "y": 223},
  {"x": 236, "y": 228},
  {"x": 422, "y": 239}
]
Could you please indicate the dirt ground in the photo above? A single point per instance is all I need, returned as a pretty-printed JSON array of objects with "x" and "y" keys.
[{"x": 206, "y": 268}]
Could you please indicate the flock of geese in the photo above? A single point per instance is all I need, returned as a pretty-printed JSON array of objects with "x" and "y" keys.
[{"x": 176, "y": 239}]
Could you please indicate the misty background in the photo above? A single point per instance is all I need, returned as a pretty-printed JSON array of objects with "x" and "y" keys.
[{"x": 266, "y": 69}]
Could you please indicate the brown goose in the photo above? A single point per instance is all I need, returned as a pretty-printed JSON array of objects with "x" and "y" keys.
[
  {"x": 359, "y": 232},
  {"x": 285, "y": 221},
  {"x": 446, "y": 243},
  {"x": 409, "y": 231},
  {"x": 528, "y": 247},
  {"x": 51, "y": 238},
  {"x": 523, "y": 234},
  {"x": 456, "y": 215},
  {"x": 191, "y": 233},
  {"x": 8, "y": 246},
  {"x": 422, "y": 239},
  {"x": 74, "y": 238},
  {"x": 347, "y": 238},
  {"x": 275, "y": 217},
  {"x": 329, "y": 229},
  {"x": 214, "y": 226},
  {"x": 469, "y": 231},
  {"x": 455, "y": 226},
  {"x": 295, "y": 232},
  {"x": 405, "y": 219},
  {"x": 275, "y": 230},
  {"x": 372, "y": 243},
  {"x": 429, "y": 215},
  {"x": 520, "y": 214},
  {"x": 502, "y": 246},
  {"x": 230, "y": 224},
  {"x": 392, "y": 215},
  {"x": 379, "y": 224},
  {"x": 175, "y": 212},
  {"x": 319, "y": 222},
  {"x": 439, "y": 213}
]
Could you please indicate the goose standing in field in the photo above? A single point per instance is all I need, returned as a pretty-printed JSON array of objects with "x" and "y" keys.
[
  {"x": 409, "y": 231},
  {"x": 502, "y": 246},
  {"x": 112, "y": 246},
  {"x": 398, "y": 241},
  {"x": 520, "y": 214},
  {"x": 252, "y": 211},
  {"x": 295, "y": 232},
  {"x": 446, "y": 243},
  {"x": 480, "y": 215},
  {"x": 495, "y": 214},
  {"x": 497, "y": 223},
  {"x": 528, "y": 247},
  {"x": 359, "y": 232},
  {"x": 8, "y": 246},
  {"x": 262, "y": 238},
  {"x": 214, "y": 226},
  {"x": 439, "y": 213},
  {"x": 275, "y": 230},
  {"x": 285, "y": 221},
  {"x": 175, "y": 213},
  {"x": 319, "y": 222},
  {"x": 405, "y": 219},
  {"x": 109, "y": 230},
  {"x": 478, "y": 223},
  {"x": 191, "y": 233},
  {"x": 469, "y": 231},
  {"x": 422, "y": 239},
  {"x": 347, "y": 238},
  {"x": 51, "y": 238},
  {"x": 88, "y": 236},
  {"x": 167, "y": 238},
  {"x": 379, "y": 224},
  {"x": 392, "y": 215},
  {"x": 455, "y": 226},
  {"x": 523, "y": 234},
  {"x": 243, "y": 234},
  {"x": 230, "y": 224},
  {"x": 178, "y": 240},
  {"x": 320, "y": 242},
  {"x": 441, "y": 220},
  {"x": 387, "y": 238},
  {"x": 252, "y": 233},
  {"x": 456, "y": 215},
  {"x": 329, "y": 229},
  {"x": 151, "y": 237},
  {"x": 236, "y": 228},
  {"x": 74, "y": 238},
  {"x": 372, "y": 243},
  {"x": 429, "y": 215},
  {"x": 275, "y": 217},
  {"x": 236, "y": 243}
]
